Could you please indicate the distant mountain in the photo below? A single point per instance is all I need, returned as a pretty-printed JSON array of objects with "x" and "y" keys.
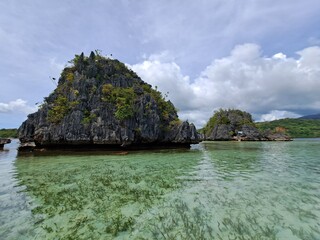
[{"x": 315, "y": 116}]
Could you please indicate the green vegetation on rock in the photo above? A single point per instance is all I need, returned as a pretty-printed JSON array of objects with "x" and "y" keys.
[
  {"x": 59, "y": 109},
  {"x": 166, "y": 108},
  {"x": 88, "y": 117},
  {"x": 235, "y": 117},
  {"x": 123, "y": 98},
  {"x": 296, "y": 128},
  {"x": 66, "y": 96}
]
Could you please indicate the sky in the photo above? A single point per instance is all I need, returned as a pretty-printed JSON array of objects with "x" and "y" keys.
[{"x": 262, "y": 56}]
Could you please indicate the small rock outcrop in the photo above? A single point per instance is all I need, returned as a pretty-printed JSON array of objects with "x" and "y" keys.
[
  {"x": 100, "y": 102},
  {"x": 234, "y": 124},
  {"x": 4, "y": 141}
]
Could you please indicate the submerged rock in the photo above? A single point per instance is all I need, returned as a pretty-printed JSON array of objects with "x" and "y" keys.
[{"x": 100, "y": 102}]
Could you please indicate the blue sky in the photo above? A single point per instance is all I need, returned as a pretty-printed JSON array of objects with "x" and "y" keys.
[{"x": 259, "y": 56}]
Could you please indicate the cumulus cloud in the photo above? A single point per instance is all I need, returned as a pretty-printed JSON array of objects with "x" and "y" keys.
[
  {"x": 261, "y": 84},
  {"x": 167, "y": 77},
  {"x": 269, "y": 87},
  {"x": 17, "y": 105}
]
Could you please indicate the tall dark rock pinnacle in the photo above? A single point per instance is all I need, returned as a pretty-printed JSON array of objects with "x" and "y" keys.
[{"x": 100, "y": 102}]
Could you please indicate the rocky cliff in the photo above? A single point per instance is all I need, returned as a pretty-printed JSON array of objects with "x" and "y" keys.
[
  {"x": 100, "y": 102},
  {"x": 233, "y": 124}
]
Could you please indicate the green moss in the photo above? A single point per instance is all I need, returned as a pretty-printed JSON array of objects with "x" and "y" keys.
[
  {"x": 119, "y": 66},
  {"x": 123, "y": 98},
  {"x": 69, "y": 76},
  {"x": 61, "y": 107},
  {"x": 59, "y": 110},
  {"x": 88, "y": 117},
  {"x": 68, "y": 73},
  {"x": 76, "y": 92},
  {"x": 107, "y": 89}
]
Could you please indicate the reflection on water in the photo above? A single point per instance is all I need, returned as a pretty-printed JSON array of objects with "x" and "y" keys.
[{"x": 216, "y": 190}]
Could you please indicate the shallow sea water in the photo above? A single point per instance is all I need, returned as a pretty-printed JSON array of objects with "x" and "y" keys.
[{"x": 215, "y": 190}]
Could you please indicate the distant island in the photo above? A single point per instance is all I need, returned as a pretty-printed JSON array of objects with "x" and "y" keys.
[
  {"x": 234, "y": 124},
  {"x": 99, "y": 102},
  {"x": 303, "y": 127}
]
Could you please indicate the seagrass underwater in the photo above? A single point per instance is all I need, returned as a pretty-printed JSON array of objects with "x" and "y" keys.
[{"x": 215, "y": 190}]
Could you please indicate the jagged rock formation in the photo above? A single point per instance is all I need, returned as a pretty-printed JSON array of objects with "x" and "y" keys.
[
  {"x": 4, "y": 141},
  {"x": 233, "y": 124},
  {"x": 100, "y": 102}
]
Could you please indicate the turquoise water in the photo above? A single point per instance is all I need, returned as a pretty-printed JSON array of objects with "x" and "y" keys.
[{"x": 215, "y": 190}]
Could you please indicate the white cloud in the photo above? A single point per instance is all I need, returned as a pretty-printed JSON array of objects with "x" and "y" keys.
[
  {"x": 168, "y": 78},
  {"x": 279, "y": 56},
  {"x": 17, "y": 105},
  {"x": 262, "y": 84},
  {"x": 310, "y": 58},
  {"x": 246, "y": 52},
  {"x": 278, "y": 85},
  {"x": 164, "y": 56},
  {"x": 275, "y": 114}
]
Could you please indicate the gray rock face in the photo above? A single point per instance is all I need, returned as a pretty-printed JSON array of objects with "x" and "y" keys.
[
  {"x": 251, "y": 133},
  {"x": 224, "y": 132},
  {"x": 98, "y": 101},
  {"x": 220, "y": 132}
]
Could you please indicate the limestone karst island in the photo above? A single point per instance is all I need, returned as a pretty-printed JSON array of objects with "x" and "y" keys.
[{"x": 100, "y": 102}]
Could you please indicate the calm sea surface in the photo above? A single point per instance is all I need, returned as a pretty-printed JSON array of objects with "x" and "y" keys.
[{"x": 215, "y": 190}]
